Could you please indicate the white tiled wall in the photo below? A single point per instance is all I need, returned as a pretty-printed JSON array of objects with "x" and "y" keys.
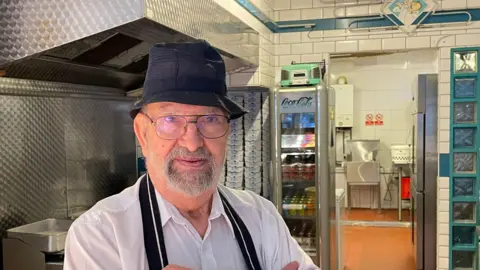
[
  {"x": 281, "y": 49},
  {"x": 299, "y": 9},
  {"x": 385, "y": 84},
  {"x": 443, "y": 191},
  {"x": 264, "y": 74}
]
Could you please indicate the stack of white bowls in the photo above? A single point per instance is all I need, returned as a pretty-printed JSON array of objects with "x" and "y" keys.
[
  {"x": 266, "y": 140},
  {"x": 253, "y": 142},
  {"x": 235, "y": 154}
]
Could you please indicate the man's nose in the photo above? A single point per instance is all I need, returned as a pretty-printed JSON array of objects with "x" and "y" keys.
[{"x": 192, "y": 139}]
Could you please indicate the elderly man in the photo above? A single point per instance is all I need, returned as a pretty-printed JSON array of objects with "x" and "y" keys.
[{"x": 175, "y": 216}]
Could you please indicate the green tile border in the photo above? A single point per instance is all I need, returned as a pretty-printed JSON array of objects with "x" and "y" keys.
[{"x": 448, "y": 162}]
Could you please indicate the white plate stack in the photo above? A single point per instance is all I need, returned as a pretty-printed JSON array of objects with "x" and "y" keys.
[
  {"x": 253, "y": 142},
  {"x": 235, "y": 153},
  {"x": 266, "y": 145}
]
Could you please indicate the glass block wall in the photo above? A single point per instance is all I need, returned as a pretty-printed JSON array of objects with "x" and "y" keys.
[{"x": 464, "y": 157}]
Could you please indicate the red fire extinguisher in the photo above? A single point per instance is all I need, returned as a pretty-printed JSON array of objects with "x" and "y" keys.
[{"x": 405, "y": 188}]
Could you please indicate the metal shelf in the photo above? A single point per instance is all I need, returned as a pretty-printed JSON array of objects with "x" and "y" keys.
[
  {"x": 302, "y": 182},
  {"x": 293, "y": 150}
]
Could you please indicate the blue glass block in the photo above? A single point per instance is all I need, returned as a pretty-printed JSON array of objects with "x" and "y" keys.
[
  {"x": 465, "y": 88},
  {"x": 463, "y": 186},
  {"x": 464, "y": 212},
  {"x": 463, "y": 260},
  {"x": 464, "y": 112},
  {"x": 463, "y": 235},
  {"x": 464, "y": 137},
  {"x": 464, "y": 162}
]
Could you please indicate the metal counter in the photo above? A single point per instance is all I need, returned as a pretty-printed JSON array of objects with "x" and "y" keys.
[{"x": 36, "y": 246}]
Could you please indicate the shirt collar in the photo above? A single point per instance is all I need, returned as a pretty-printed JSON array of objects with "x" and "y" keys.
[{"x": 168, "y": 211}]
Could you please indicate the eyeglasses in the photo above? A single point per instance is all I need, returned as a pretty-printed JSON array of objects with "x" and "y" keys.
[{"x": 172, "y": 127}]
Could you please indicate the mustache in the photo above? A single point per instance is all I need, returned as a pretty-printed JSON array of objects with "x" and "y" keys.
[{"x": 179, "y": 151}]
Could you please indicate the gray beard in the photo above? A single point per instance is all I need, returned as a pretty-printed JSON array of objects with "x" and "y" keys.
[{"x": 191, "y": 183}]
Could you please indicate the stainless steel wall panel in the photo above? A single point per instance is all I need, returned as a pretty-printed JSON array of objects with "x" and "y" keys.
[
  {"x": 16, "y": 87},
  {"x": 32, "y": 154},
  {"x": 30, "y": 27},
  {"x": 60, "y": 154}
]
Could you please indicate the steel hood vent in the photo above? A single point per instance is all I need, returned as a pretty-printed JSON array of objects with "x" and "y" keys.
[{"x": 106, "y": 43}]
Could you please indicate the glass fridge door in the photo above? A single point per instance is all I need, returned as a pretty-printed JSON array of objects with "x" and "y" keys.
[{"x": 297, "y": 162}]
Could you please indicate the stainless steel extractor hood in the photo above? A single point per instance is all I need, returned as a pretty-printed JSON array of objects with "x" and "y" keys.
[{"x": 106, "y": 43}]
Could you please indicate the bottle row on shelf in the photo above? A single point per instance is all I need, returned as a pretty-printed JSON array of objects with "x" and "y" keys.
[
  {"x": 305, "y": 234},
  {"x": 299, "y": 203},
  {"x": 303, "y": 158},
  {"x": 298, "y": 172}
]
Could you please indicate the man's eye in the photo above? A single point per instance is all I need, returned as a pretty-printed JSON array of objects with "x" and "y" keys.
[
  {"x": 171, "y": 119},
  {"x": 211, "y": 119}
]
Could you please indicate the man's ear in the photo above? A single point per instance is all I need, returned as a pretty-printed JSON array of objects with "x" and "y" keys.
[{"x": 140, "y": 126}]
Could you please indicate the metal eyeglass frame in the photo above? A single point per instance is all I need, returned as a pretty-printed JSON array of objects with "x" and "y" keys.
[{"x": 154, "y": 123}]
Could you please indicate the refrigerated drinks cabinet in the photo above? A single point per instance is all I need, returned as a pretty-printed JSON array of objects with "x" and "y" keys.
[{"x": 303, "y": 162}]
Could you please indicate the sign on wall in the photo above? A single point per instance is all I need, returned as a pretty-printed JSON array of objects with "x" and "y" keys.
[
  {"x": 379, "y": 119},
  {"x": 369, "y": 120},
  {"x": 407, "y": 12}
]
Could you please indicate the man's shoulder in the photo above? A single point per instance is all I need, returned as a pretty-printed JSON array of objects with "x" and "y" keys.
[
  {"x": 115, "y": 206},
  {"x": 246, "y": 199}
]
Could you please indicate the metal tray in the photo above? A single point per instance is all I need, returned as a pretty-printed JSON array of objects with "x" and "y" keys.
[{"x": 48, "y": 235}]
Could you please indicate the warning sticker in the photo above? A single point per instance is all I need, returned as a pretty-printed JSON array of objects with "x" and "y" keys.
[
  {"x": 379, "y": 119},
  {"x": 369, "y": 120}
]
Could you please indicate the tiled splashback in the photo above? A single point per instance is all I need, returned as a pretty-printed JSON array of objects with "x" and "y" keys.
[{"x": 384, "y": 84}]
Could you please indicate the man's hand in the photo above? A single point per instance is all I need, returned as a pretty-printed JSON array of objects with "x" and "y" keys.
[
  {"x": 178, "y": 267},
  {"x": 292, "y": 266}
]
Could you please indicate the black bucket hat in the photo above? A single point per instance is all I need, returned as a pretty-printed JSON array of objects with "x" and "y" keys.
[{"x": 188, "y": 73}]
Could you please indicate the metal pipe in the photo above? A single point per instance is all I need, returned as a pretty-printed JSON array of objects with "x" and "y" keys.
[
  {"x": 352, "y": 3},
  {"x": 468, "y": 22},
  {"x": 370, "y": 32}
]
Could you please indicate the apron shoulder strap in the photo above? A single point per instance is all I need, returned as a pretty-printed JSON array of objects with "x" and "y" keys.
[
  {"x": 152, "y": 226},
  {"x": 244, "y": 239}
]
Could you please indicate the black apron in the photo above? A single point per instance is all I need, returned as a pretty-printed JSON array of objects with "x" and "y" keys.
[{"x": 155, "y": 243}]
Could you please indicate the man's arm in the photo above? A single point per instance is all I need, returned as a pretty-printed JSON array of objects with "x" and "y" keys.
[
  {"x": 91, "y": 245},
  {"x": 279, "y": 246}
]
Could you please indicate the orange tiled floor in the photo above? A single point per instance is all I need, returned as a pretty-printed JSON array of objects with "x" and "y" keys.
[
  {"x": 377, "y": 248},
  {"x": 374, "y": 215}
]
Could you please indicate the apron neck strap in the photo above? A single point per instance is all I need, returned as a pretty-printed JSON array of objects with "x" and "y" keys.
[{"x": 153, "y": 230}]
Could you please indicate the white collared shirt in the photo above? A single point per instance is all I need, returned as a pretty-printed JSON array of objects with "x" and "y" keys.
[{"x": 110, "y": 235}]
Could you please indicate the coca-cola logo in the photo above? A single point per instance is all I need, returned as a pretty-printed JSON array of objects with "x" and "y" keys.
[{"x": 301, "y": 102}]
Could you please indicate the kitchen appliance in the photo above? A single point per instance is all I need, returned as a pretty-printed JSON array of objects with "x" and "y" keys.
[
  {"x": 423, "y": 190},
  {"x": 303, "y": 162},
  {"x": 301, "y": 75},
  {"x": 401, "y": 154},
  {"x": 363, "y": 150},
  {"x": 36, "y": 246},
  {"x": 344, "y": 98}
]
